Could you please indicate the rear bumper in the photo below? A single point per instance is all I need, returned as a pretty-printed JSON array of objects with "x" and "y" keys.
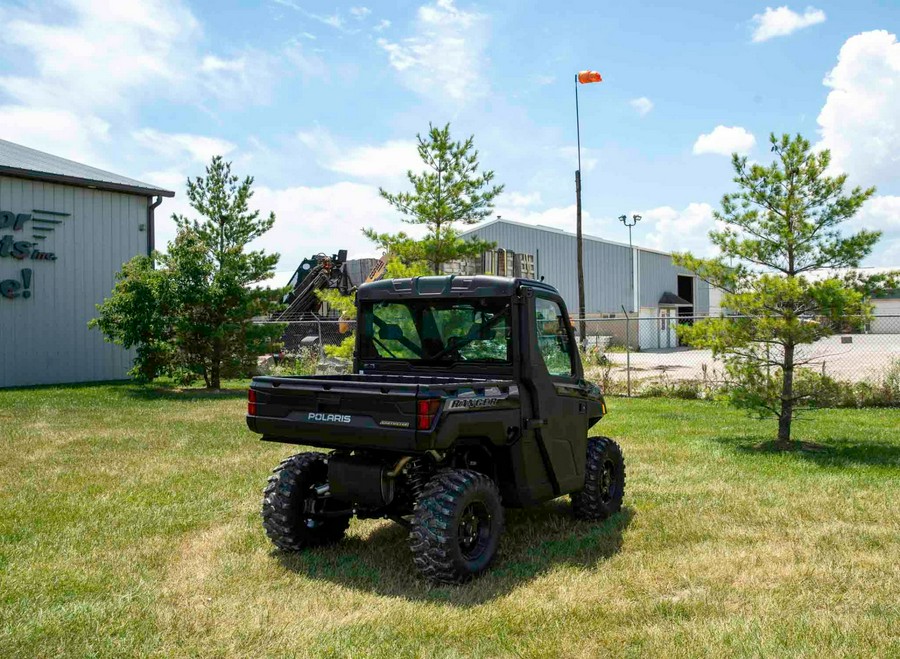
[{"x": 362, "y": 434}]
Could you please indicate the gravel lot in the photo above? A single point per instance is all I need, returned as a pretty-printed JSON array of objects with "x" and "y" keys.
[{"x": 865, "y": 358}]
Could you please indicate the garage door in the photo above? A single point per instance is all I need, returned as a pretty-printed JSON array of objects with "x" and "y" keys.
[{"x": 887, "y": 317}]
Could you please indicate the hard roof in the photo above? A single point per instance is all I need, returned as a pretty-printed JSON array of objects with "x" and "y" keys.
[
  {"x": 446, "y": 286},
  {"x": 22, "y": 162}
]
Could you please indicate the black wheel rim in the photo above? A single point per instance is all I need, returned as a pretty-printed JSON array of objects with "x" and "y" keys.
[
  {"x": 474, "y": 530},
  {"x": 313, "y": 506},
  {"x": 607, "y": 481}
]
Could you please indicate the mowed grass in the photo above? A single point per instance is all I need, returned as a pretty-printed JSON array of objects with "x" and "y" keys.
[{"x": 129, "y": 525}]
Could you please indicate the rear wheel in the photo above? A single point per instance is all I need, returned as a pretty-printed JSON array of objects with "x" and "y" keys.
[
  {"x": 456, "y": 526},
  {"x": 292, "y": 509},
  {"x": 604, "y": 481}
]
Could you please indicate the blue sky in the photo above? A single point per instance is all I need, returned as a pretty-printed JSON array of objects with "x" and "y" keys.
[{"x": 321, "y": 102}]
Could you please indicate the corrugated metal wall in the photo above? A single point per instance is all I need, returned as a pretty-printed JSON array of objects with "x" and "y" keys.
[
  {"x": 658, "y": 275},
  {"x": 607, "y": 268},
  {"x": 45, "y": 339}
]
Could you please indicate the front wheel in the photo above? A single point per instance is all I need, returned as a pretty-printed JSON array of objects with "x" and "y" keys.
[
  {"x": 292, "y": 510},
  {"x": 604, "y": 481},
  {"x": 456, "y": 528}
]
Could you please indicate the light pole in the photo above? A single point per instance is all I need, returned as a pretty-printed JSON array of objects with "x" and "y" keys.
[
  {"x": 635, "y": 218},
  {"x": 582, "y": 77},
  {"x": 630, "y": 223}
]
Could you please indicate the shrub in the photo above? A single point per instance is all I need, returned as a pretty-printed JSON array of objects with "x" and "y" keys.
[{"x": 303, "y": 362}]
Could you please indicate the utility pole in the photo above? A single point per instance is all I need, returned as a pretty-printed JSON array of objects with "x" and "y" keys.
[
  {"x": 579, "y": 239},
  {"x": 583, "y": 78}
]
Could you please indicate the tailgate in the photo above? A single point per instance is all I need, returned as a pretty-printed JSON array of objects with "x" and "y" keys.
[{"x": 335, "y": 413}]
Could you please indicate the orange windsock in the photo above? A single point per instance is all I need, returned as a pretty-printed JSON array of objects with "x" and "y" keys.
[{"x": 585, "y": 77}]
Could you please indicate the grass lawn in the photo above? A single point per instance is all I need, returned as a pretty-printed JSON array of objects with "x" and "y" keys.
[{"x": 129, "y": 525}]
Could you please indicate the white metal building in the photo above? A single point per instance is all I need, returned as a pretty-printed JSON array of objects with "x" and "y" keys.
[
  {"x": 618, "y": 279},
  {"x": 65, "y": 230}
]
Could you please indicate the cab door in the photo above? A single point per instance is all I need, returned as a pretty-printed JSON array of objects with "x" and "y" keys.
[{"x": 563, "y": 409}]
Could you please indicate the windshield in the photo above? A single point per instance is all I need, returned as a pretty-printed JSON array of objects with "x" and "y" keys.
[{"x": 437, "y": 330}]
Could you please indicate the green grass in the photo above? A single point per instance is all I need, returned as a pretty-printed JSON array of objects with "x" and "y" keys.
[{"x": 129, "y": 526}]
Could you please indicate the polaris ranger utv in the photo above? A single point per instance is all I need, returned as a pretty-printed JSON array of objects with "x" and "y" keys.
[{"x": 467, "y": 395}]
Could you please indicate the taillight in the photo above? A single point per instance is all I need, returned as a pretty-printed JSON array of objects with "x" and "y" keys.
[
  {"x": 426, "y": 410},
  {"x": 251, "y": 402}
]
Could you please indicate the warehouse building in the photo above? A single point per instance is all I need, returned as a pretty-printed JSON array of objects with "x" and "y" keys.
[
  {"x": 65, "y": 230},
  {"x": 617, "y": 278}
]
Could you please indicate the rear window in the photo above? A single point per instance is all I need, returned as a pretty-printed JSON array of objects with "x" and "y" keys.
[{"x": 437, "y": 331}]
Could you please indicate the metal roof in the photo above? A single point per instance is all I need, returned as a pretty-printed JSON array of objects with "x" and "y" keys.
[
  {"x": 22, "y": 162},
  {"x": 669, "y": 299},
  {"x": 544, "y": 227}
]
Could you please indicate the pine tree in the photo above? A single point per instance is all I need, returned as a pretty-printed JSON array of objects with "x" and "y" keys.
[
  {"x": 782, "y": 226},
  {"x": 450, "y": 193},
  {"x": 192, "y": 316}
]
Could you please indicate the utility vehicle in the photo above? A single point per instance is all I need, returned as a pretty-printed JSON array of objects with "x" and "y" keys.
[{"x": 467, "y": 395}]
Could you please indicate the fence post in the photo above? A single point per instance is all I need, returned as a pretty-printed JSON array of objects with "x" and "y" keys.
[
  {"x": 321, "y": 347},
  {"x": 628, "y": 348}
]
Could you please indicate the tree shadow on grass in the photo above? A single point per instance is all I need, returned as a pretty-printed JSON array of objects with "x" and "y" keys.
[
  {"x": 827, "y": 452},
  {"x": 158, "y": 392},
  {"x": 535, "y": 540}
]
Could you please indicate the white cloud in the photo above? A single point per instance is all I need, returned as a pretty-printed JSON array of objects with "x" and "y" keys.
[
  {"x": 199, "y": 148},
  {"x": 92, "y": 62},
  {"x": 725, "y": 140},
  {"x": 101, "y": 55},
  {"x": 671, "y": 230},
  {"x": 880, "y": 213},
  {"x": 588, "y": 158},
  {"x": 783, "y": 21},
  {"x": 59, "y": 132},
  {"x": 386, "y": 162},
  {"x": 860, "y": 121},
  {"x": 309, "y": 220},
  {"x": 383, "y": 24},
  {"x": 245, "y": 78},
  {"x": 359, "y": 13},
  {"x": 323, "y": 219},
  {"x": 520, "y": 199},
  {"x": 331, "y": 20},
  {"x": 444, "y": 59},
  {"x": 641, "y": 105},
  {"x": 391, "y": 159},
  {"x": 309, "y": 65}
]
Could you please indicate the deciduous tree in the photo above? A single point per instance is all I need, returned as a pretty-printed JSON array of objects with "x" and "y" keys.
[{"x": 193, "y": 315}]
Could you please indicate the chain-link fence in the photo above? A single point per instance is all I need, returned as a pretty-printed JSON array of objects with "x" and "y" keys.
[
  {"x": 629, "y": 354},
  {"x": 313, "y": 333},
  {"x": 633, "y": 355}
]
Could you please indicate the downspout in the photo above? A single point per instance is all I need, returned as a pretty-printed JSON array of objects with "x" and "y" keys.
[{"x": 151, "y": 232}]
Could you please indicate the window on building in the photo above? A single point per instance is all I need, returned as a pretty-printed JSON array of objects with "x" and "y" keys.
[{"x": 553, "y": 337}]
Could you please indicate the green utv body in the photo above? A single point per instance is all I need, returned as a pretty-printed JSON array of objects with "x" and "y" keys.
[{"x": 467, "y": 395}]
